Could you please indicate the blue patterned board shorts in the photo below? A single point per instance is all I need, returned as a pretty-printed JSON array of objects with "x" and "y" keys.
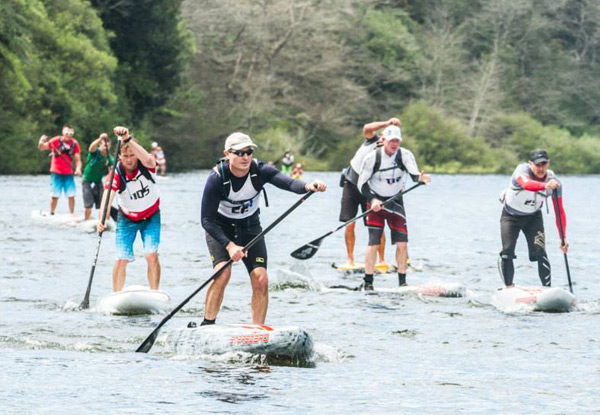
[
  {"x": 127, "y": 231},
  {"x": 62, "y": 183}
]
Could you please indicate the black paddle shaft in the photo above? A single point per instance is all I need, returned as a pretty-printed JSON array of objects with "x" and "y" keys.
[
  {"x": 85, "y": 304},
  {"x": 310, "y": 249},
  {"x": 562, "y": 236},
  {"x": 149, "y": 342}
]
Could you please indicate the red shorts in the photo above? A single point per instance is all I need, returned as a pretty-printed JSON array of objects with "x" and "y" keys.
[{"x": 396, "y": 220}]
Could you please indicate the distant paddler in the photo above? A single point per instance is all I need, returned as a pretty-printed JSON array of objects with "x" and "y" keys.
[
  {"x": 138, "y": 199},
  {"x": 382, "y": 176},
  {"x": 98, "y": 163},
  {"x": 64, "y": 149},
  {"x": 230, "y": 217},
  {"x": 352, "y": 198},
  {"x": 159, "y": 156},
  {"x": 530, "y": 185}
]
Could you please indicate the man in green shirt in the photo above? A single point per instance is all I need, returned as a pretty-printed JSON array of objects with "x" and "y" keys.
[{"x": 97, "y": 166}]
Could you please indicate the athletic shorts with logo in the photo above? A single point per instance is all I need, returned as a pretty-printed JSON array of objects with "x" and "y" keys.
[
  {"x": 60, "y": 183},
  {"x": 127, "y": 231},
  {"x": 240, "y": 235},
  {"x": 393, "y": 213},
  {"x": 92, "y": 193},
  {"x": 351, "y": 200}
]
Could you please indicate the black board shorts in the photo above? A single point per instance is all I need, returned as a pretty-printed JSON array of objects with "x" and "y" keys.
[
  {"x": 92, "y": 194},
  {"x": 351, "y": 200},
  {"x": 240, "y": 235}
]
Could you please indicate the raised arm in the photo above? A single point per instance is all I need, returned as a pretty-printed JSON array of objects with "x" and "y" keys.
[
  {"x": 143, "y": 156},
  {"x": 43, "y": 143},
  {"x": 371, "y": 128},
  {"x": 94, "y": 145}
]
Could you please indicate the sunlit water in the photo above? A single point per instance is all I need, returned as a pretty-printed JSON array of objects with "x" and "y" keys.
[{"x": 374, "y": 353}]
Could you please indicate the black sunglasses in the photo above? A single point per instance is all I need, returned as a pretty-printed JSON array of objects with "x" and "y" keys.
[{"x": 241, "y": 153}]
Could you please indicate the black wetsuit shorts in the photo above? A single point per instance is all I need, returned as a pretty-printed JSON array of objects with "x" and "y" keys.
[{"x": 240, "y": 234}]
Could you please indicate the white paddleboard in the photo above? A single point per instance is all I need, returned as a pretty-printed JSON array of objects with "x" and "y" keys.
[
  {"x": 551, "y": 299},
  {"x": 134, "y": 300},
  {"x": 58, "y": 219},
  {"x": 283, "y": 343},
  {"x": 431, "y": 289}
]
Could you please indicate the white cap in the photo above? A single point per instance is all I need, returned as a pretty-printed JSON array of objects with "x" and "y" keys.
[
  {"x": 154, "y": 144},
  {"x": 238, "y": 141},
  {"x": 392, "y": 132}
]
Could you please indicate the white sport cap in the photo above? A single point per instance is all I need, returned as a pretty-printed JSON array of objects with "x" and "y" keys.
[
  {"x": 238, "y": 141},
  {"x": 392, "y": 132}
]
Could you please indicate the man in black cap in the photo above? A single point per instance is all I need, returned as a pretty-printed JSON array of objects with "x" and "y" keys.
[{"x": 530, "y": 185}]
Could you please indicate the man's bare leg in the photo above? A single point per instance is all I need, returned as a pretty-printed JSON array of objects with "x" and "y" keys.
[
  {"x": 260, "y": 294},
  {"x": 350, "y": 239},
  {"x": 153, "y": 270},
  {"x": 216, "y": 292},
  {"x": 53, "y": 204},
  {"x": 119, "y": 274}
]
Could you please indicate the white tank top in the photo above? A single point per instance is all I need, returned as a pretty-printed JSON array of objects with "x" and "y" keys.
[
  {"x": 519, "y": 201},
  {"x": 246, "y": 201},
  {"x": 390, "y": 178},
  {"x": 139, "y": 194},
  {"x": 361, "y": 153}
]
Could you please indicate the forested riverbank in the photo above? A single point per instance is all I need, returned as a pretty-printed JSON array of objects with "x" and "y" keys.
[{"x": 477, "y": 84}]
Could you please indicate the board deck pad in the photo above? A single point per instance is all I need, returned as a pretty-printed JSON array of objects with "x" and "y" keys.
[
  {"x": 429, "y": 289},
  {"x": 287, "y": 343},
  {"x": 359, "y": 268}
]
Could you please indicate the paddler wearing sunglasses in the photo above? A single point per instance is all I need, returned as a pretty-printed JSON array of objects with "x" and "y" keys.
[{"x": 230, "y": 217}]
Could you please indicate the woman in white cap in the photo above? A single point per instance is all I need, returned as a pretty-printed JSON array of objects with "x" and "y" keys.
[{"x": 230, "y": 217}]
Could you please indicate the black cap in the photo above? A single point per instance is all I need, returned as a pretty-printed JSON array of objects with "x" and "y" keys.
[{"x": 538, "y": 156}]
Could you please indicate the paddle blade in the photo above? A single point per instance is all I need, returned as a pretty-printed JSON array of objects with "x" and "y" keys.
[
  {"x": 149, "y": 342},
  {"x": 307, "y": 251}
]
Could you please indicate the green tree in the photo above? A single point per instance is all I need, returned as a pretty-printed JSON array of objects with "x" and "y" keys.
[
  {"x": 55, "y": 68},
  {"x": 153, "y": 47}
]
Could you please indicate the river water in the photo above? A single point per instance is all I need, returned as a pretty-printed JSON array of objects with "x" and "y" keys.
[{"x": 375, "y": 354}]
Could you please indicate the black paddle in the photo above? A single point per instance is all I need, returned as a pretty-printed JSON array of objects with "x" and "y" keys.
[
  {"x": 310, "y": 249},
  {"x": 149, "y": 342},
  {"x": 562, "y": 236},
  {"x": 85, "y": 304}
]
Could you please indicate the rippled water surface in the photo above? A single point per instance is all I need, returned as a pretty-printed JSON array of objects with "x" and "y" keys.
[{"x": 375, "y": 354}]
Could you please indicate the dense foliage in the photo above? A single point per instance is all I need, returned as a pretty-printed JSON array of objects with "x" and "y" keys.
[{"x": 477, "y": 83}]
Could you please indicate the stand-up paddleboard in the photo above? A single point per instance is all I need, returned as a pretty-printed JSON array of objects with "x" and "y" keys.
[
  {"x": 282, "y": 343},
  {"x": 58, "y": 219},
  {"x": 134, "y": 300},
  {"x": 550, "y": 299},
  {"x": 438, "y": 289},
  {"x": 359, "y": 267}
]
